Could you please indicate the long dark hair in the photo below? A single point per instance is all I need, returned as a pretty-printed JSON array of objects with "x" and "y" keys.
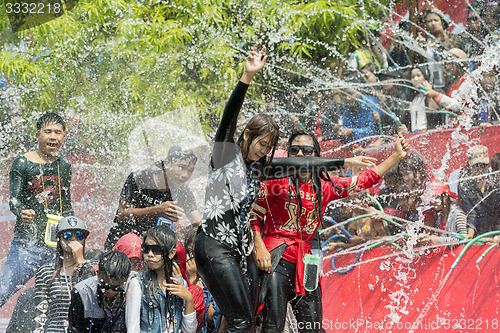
[
  {"x": 165, "y": 237},
  {"x": 315, "y": 177},
  {"x": 413, "y": 92},
  {"x": 258, "y": 125}
]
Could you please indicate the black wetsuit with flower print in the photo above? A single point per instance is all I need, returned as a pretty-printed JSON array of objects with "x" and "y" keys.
[{"x": 224, "y": 245}]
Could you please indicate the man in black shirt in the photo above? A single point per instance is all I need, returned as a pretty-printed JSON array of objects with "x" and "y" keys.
[{"x": 150, "y": 194}]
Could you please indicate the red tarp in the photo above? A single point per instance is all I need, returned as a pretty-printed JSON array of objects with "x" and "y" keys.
[
  {"x": 386, "y": 292},
  {"x": 97, "y": 205},
  {"x": 442, "y": 150}
]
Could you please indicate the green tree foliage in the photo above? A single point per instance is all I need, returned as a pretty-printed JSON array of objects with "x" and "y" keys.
[{"x": 114, "y": 62}]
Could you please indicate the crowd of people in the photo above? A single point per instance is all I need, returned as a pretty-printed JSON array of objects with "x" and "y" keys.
[
  {"x": 428, "y": 78},
  {"x": 256, "y": 245}
]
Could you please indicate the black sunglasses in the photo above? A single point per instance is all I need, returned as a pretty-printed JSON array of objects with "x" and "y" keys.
[
  {"x": 105, "y": 286},
  {"x": 306, "y": 150},
  {"x": 156, "y": 249}
]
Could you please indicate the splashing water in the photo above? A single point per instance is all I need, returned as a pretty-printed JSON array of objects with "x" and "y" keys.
[{"x": 143, "y": 76}]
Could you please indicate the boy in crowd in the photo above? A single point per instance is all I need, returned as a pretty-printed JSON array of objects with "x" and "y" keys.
[
  {"x": 150, "y": 194},
  {"x": 98, "y": 303},
  {"x": 39, "y": 185}
]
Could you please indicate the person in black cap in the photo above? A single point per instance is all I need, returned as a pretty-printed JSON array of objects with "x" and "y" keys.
[
  {"x": 150, "y": 194},
  {"x": 44, "y": 307}
]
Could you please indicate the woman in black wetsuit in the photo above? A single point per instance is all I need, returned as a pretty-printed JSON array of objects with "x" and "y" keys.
[{"x": 224, "y": 245}]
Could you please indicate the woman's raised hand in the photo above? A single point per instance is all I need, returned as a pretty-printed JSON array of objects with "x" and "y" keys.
[{"x": 254, "y": 63}]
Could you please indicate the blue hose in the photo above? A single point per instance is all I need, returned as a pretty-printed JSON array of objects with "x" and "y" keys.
[
  {"x": 329, "y": 219},
  {"x": 347, "y": 270}
]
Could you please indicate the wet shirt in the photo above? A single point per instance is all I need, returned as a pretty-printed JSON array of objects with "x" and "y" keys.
[
  {"x": 362, "y": 121},
  {"x": 141, "y": 191},
  {"x": 87, "y": 311},
  {"x": 52, "y": 296},
  {"x": 231, "y": 188},
  {"x": 479, "y": 208},
  {"x": 27, "y": 192},
  {"x": 233, "y": 185},
  {"x": 275, "y": 213}
]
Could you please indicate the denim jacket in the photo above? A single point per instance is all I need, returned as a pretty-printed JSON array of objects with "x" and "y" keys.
[{"x": 154, "y": 313}]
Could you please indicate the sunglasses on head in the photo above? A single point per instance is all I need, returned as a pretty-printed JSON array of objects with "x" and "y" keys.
[
  {"x": 104, "y": 286},
  {"x": 306, "y": 150},
  {"x": 156, "y": 249},
  {"x": 67, "y": 235}
]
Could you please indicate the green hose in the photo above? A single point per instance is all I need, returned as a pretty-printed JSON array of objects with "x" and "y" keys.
[
  {"x": 448, "y": 112},
  {"x": 393, "y": 222},
  {"x": 372, "y": 246},
  {"x": 375, "y": 201},
  {"x": 485, "y": 253},
  {"x": 290, "y": 115},
  {"x": 471, "y": 243}
]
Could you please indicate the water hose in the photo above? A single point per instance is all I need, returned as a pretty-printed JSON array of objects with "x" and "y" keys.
[
  {"x": 379, "y": 123},
  {"x": 290, "y": 115},
  {"x": 455, "y": 263},
  {"x": 395, "y": 118},
  {"x": 485, "y": 253},
  {"x": 448, "y": 112},
  {"x": 329, "y": 219},
  {"x": 376, "y": 202},
  {"x": 327, "y": 119},
  {"x": 347, "y": 270},
  {"x": 371, "y": 246},
  {"x": 347, "y": 237},
  {"x": 379, "y": 206},
  {"x": 323, "y": 246},
  {"x": 335, "y": 269},
  {"x": 423, "y": 90}
]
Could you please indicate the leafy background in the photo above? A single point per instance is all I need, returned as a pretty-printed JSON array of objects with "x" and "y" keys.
[{"x": 113, "y": 63}]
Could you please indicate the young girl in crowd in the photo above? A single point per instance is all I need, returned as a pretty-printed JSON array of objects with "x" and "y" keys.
[
  {"x": 421, "y": 104},
  {"x": 223, "y": 250},
  {"x": 54, "y": 282},
  {"x": 294, "y": 208},
  {"x": 162, "y": 299}
]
